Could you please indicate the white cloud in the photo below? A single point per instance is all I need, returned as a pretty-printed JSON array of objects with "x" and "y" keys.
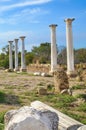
[
  {"x": 23, "y": 4},
  {"x": 11, "y": 35},
  {"x": 2, "y": 21},
  {"x": 26, "y": 15},
  {"x": 34, "y": 11}
]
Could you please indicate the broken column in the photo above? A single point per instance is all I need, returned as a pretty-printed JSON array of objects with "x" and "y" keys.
[
  {"x": 69, "y": 39},
  {"x": 53, "y": 47},
  {"x": 10, "y": 56},
  {"x": 16, "y": 54},
  {"x": 28, "y": 118},
  {"x": 23, "y": 66}
]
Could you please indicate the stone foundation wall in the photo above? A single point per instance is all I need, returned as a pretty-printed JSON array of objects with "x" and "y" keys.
[
  {"x": 46, "y": 67},
  {"x": 39, "y": 68}
]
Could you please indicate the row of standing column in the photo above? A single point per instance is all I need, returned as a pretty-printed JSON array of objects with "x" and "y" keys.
[
  {"x": 23, "y": 66},
  {"x": 70, "y": 54},
  {"x": 69, "y": 40}
]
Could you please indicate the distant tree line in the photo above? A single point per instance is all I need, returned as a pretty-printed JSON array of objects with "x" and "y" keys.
[{"x": 42, "y": 54}]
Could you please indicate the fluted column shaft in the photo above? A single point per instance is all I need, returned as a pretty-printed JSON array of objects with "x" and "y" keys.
[
  {"x": 23, "y": 66},
  {"x": 10, "y": 55},
  {"x": 69, "y": 40},
  {"x": 53, "y": 48},
  {"x": 16, "y": 54}
]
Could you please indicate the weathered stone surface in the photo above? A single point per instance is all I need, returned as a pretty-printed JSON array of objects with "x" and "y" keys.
[
  {"x": 69, "y": 40},
  {"x": 37, "y": 74},
  {"x": 9, "y": 70},
  {"x": 28, "y": 118},
  {"x": 60, "y": 80},
  {"x": 64, "y": 122},
  {"x": 8, "y": 116},
  {"x": 83, "y": 75},
  {"x": 67, "y": 91},
  {"x": 39, "y": 67},
  {"x": 79, "y": 78},
  {"x": 44, "y": 74},
  {"x": 42, "y": 91},
  {"x": 82, "y": 127}
]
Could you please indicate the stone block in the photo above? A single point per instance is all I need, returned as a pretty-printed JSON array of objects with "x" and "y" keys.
[
  {"x": 28, "y": 118},
  {"x": 64, "y": 122}
]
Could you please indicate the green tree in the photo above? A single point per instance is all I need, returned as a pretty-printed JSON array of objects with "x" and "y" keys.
[
  {"x": 80, "y": 55},
  {"x": 62, "y": 55},
  {"x": 42, "y": 53},
  {"x": 29, "y": 57},
  {"x": 4, "y": 56}
]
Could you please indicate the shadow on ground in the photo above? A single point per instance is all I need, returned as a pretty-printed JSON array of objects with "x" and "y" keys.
[{"x": 9, "y": 99}]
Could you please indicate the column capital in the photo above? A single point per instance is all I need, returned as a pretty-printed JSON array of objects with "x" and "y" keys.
[
  {"x": 16, "y": 40},
  {"x": 69, "y": 20},
  {"x": 53, "y": 25},
  {"x": 10, "y": 42},
  {"x": 22, "y": 37}
]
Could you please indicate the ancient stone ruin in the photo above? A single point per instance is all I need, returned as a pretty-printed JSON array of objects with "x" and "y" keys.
[
  {"x": 40, "y": 116},
  {"x": 60, "y": 80},
  {"x": 28, "y": 118},
  {"x": 23, "y": 65}
]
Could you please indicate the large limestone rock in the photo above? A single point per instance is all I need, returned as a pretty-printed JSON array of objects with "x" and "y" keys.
[
  {"x": 37, "y": 74},
  {"x": 60, "y": 80},
  {"x": 82, "y": 127},
  {"x": 28, "y": 118}
]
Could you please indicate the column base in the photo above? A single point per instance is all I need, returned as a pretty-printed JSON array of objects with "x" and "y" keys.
[
  {"x": 23, "y": 70},
  {"x": 10, "y": 70},
  {"x": 71, "y": 73},
  {"x": 15, "y": 70},
  {"x": 55, "y": 69},
  {"x": 51, "y": 72}
]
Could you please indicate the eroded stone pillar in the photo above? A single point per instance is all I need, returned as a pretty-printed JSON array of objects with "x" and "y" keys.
[
  {"x": 53, "y": 47},
  {"x": 23, "y": 66},
  {"x": 69, "y": 40},
  {"x": 10, "y": 56},
  {"x": 16, "y": 54}
]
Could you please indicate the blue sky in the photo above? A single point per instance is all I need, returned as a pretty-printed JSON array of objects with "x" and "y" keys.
[{"x": 33, "y": 17}]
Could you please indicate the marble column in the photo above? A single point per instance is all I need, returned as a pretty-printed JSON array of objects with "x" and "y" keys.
[
  {"x": 23, "y": 66},
  {"x": 69, "y": 40},
  {"x": 16, "y": 54},
  {"x": 53, "y": 48},
  {"x": 10, "y": 56}
]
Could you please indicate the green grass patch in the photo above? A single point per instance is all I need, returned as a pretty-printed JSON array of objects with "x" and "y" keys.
[
  {"x": 9, "y": 98},
  {"x": 41, "y": 84},
  {"x": 22, "y": 73},
  {"x": 78, "y": 117},
  {"x": 82, "y": 96},
  {"x": 2, "y": 117},
  {"x": 63, "y": 101},
  {"x": 82, "y": 107},
  {"x": 9, "y": 87},
  {"x": 78, "y": 87},
  {"x": 2, "y": 97},
  {"x": 56, "y": 100},
  {"x": 2, "y": 120},
  {"x": 1, "y": 126},
  {"x": 50, "y": 88}
]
